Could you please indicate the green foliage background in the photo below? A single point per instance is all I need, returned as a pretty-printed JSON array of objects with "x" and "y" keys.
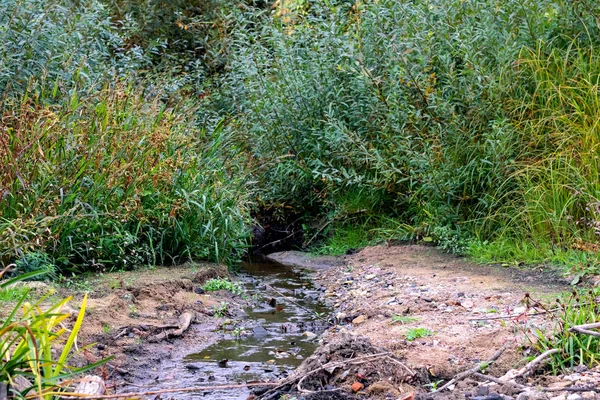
[{"x": 146, "y": 132}]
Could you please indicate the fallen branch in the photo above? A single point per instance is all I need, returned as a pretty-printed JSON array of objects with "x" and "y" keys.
[
  {"x": 585, "y": 329},
  {"x": 523, "y": 388},
  {"x": 477, "y": 368},
  {"x": 498, "y": 380},
  {"x": 510, "y": 316},
  {"x": 531, "y": 314},
  {"x": 185, "y": 320},
  {"x": 527, "y": 369}
]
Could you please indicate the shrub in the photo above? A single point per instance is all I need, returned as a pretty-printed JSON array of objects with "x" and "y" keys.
[{"x": 449, "y": 115}]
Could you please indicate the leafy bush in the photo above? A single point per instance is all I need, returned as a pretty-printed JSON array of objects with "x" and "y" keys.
[
  {"x": 52, "y": 45},
  {"x": 382, "y": 99},
  {"x": 439, "y": 111},
  {"x": 33, "y": 262}
]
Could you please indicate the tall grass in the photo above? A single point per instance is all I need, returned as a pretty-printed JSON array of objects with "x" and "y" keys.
[{"x": 116, "y": 179}]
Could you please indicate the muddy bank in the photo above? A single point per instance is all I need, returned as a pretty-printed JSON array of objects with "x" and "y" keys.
[
  {"x": 385, "y": 323},
  {"x": 260, "y": 335},
  {"x": 428, "y": 316}
]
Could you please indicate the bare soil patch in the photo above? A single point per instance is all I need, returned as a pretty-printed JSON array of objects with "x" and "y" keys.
[
  {"x": 386, "y": 294},
  {"x": 131, "y": 316}
]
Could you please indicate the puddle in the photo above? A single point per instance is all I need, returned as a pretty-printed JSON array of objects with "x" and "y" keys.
[{"x": 279, "y": 332}]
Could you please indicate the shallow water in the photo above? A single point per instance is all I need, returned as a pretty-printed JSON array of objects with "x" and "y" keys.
[{"x": 266, "y": 345}]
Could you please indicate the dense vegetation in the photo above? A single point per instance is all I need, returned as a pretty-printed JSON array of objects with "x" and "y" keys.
[{"x": 137, "y": 134}]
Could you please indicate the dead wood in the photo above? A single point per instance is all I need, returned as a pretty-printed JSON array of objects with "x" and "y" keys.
[
  {"x": 185, "y": 320},
  {"x": 478, "y": 368},
  {"x": 526, "y": 370},
  {"x": 90, "y": 385},
  {"x": 585, "y": 329}
]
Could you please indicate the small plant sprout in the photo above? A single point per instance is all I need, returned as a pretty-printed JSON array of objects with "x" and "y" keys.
[
  {"x": 221, "y": 310},
  {"x": 417, "y": 333}
]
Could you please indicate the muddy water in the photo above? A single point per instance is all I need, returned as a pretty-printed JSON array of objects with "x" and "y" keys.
[{"x": 273, "y": 336}]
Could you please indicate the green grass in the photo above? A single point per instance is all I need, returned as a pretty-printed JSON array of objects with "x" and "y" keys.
[
  {"x": 11, "y": 294},
  {"x": 417, "y": 333},
  {"x": 215, "y": 284},
  {"x": 575, "y": 349}
]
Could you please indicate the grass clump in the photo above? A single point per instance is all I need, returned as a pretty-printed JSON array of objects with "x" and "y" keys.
[
  {"x": 28, "y": 337},
  {"x": 417, "y": 333},
  {"x": 215, "y": 284},
  {"x": 134, "y": 182},
  {"x": 574, "y": 348}
]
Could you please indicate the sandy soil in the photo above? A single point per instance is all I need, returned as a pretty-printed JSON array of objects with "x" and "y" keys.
[{"x": 442, "y": 293}]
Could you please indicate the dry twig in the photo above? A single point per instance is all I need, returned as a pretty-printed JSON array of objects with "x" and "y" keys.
[
  {"x": 585, "y": 329},
  {"x": 478, "y": 368}
]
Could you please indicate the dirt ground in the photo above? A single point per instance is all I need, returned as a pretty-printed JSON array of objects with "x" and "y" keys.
[
  {"x": 379, "y": 297},
  {"x": 129, "y": 313},
  {"x": 442, "y": 293},
  {"x": 469, "y": 311}
]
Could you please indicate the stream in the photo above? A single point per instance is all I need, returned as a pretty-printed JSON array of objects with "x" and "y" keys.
[{"x": 275, "y": 334}]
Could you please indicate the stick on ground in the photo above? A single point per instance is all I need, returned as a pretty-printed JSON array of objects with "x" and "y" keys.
[{"x": 478, "y": 368}]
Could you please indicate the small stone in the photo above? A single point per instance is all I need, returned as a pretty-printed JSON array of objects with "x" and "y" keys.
[
  {"x": 370, "y": 276},
  {"x": 356, "y": 386},
  {"x": 482, "y": 390},
  {"x": 589, "y": 395},
  {"x": 574, "y": 396},
  {"x": 560, "y": 397},
  {"x": 309, "y": 335},
  {"x": 561, "y": 384},
  {"x": 519, "y": 310},
  {"x": 271, "y": 362},
  {"x": 467, "y": 303},
  {"x": 532, "y": 395},
  {"x": 359, "y": 320}
]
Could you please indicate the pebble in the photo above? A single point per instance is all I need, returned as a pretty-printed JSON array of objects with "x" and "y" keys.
[
  {"x": 574, "y": 396},
  {"x": 359, "y": 320},
  {"x": 467, "y": 303}
]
